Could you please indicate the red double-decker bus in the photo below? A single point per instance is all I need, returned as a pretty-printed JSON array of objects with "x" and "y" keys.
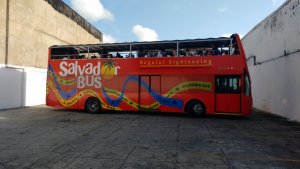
[{"x": 196, "y": 76}]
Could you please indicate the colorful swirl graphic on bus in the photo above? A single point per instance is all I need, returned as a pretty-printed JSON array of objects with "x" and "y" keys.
[
  {"x": 69, "y": 98},
  {"x": 161, "y": 99}
]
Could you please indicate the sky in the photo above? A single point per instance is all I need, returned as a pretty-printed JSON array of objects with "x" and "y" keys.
[{"x": 150, "y": 20}]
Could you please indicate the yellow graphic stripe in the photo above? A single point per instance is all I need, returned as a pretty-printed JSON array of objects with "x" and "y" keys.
[
  {"x": 189, "y": 86},
  {"x": 47, "y": 87}
]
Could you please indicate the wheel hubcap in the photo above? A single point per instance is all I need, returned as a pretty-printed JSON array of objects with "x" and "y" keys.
[
  {"x": 94, "y": 106},
  {"x": 198, "y": 108}
]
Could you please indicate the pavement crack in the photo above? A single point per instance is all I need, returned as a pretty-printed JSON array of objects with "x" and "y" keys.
[
  {"x": 129, "y": 154},
  {"x": 91, "y": 147}
]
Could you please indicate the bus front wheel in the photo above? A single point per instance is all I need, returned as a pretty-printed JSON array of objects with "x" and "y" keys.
[
  {"x": 93, "y": 105},
  {"x": 195, "y": 108}
]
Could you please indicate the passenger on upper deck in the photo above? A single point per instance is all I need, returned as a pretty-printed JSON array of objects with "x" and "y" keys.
[
  {"x": 110, "y": 55},
  {"x": 208, "y": 52},
  {"x": 170, "y": 53},
  {"x": 215, "y": 50},
  {"x": 200, "y": 52},
  {"x": 103, "y": 54},
  {"x": 131, "y": 55},
  {"x": 225, "y": 52},
  {"x": 235, "y": 48},
  {"x": 118, "y": 55},
  {"x": 188, "y": 52},
  {"x": 181, "y": 53},
  {"x": 159, "y": 53},
  {"x": 141, "y": 54},
  {"x": 163, "y": 53}
]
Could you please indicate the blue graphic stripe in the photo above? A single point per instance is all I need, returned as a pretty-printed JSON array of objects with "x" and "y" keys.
[
  {"x": 161, "y": 99},
  {"x": 117, "y": 101},
  {"x": 62, "y": 93}
]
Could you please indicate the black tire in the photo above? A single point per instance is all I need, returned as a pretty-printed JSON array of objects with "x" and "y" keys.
[
  {"x": 195, "y": 108},
  {"x": 93, "y": 105}
]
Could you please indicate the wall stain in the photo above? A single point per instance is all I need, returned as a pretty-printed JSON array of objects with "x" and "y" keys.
[{"x": 64, "y": 9}]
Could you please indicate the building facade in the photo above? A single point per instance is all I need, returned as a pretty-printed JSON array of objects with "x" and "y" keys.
[{"x": 27, "y": 29}]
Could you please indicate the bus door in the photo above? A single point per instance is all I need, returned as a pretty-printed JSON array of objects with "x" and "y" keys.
[
  {"x": 149, "y": 92},
  {"x": 228, "y": 94},
  {"x": 247, "y": 97}
]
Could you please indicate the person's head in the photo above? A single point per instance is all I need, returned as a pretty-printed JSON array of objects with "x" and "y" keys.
[{"x": 223, "y": 82}]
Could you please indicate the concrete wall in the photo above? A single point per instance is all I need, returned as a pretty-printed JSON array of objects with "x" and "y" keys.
[
  {"x": 27, "y": 29},
  {"x": 36, "y": 24},
  {"x": 273, "y": 52}
]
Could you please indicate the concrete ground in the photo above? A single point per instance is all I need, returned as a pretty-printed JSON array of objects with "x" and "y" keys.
[{"x": 40, "y": 137}]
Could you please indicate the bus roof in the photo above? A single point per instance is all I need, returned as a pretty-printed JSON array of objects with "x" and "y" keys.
[{"x": 148, "y": 45}]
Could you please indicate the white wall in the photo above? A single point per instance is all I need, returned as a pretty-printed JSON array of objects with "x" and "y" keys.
[
  {"x": 275, "y": 43},
  {"x": 23, "y": 87},
  {"x": 35, "y": 86}
]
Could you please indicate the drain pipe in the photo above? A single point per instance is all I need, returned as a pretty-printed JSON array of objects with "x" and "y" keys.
[{"x": 6, "y": 34}]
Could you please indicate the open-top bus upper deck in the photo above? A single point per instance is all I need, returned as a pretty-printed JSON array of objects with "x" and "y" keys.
[
  {"x": 168, "y": 48},
  {"x": 193, "y": 53}
]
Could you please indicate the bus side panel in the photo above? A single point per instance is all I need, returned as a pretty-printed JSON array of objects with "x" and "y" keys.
[
  {"x": 247, "y": 106},
  {"x": 51, "y": 93},
  {"x": 208, "y": 100},
  {"x": 61, "y": 90},
  {"x": 170, "y": 89},
  {"x": 186, "y": 88},
  {"x": 128, "y": 87},
  {"x": 119, "y": 93},
  {"x": 51, "y": 99}
]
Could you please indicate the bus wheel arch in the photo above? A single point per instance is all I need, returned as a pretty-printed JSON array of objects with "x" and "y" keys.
[
  {"x": 92, "y": 105},
  {"x": 195, "y": 108}
]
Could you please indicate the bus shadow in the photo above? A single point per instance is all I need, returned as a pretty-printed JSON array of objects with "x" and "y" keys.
[
  {"x": 113, "y": 112},
  {"x": 227, "y": 117},
  {"x": 181, "y": 115},
  {"x": 144, "y": 113},
  {"x": 158, "y": 114}
]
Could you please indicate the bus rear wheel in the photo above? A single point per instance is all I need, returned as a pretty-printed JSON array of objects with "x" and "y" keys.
[
  {"x": 195, "y": 108},
  {"x": 93, "y": 105}
]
